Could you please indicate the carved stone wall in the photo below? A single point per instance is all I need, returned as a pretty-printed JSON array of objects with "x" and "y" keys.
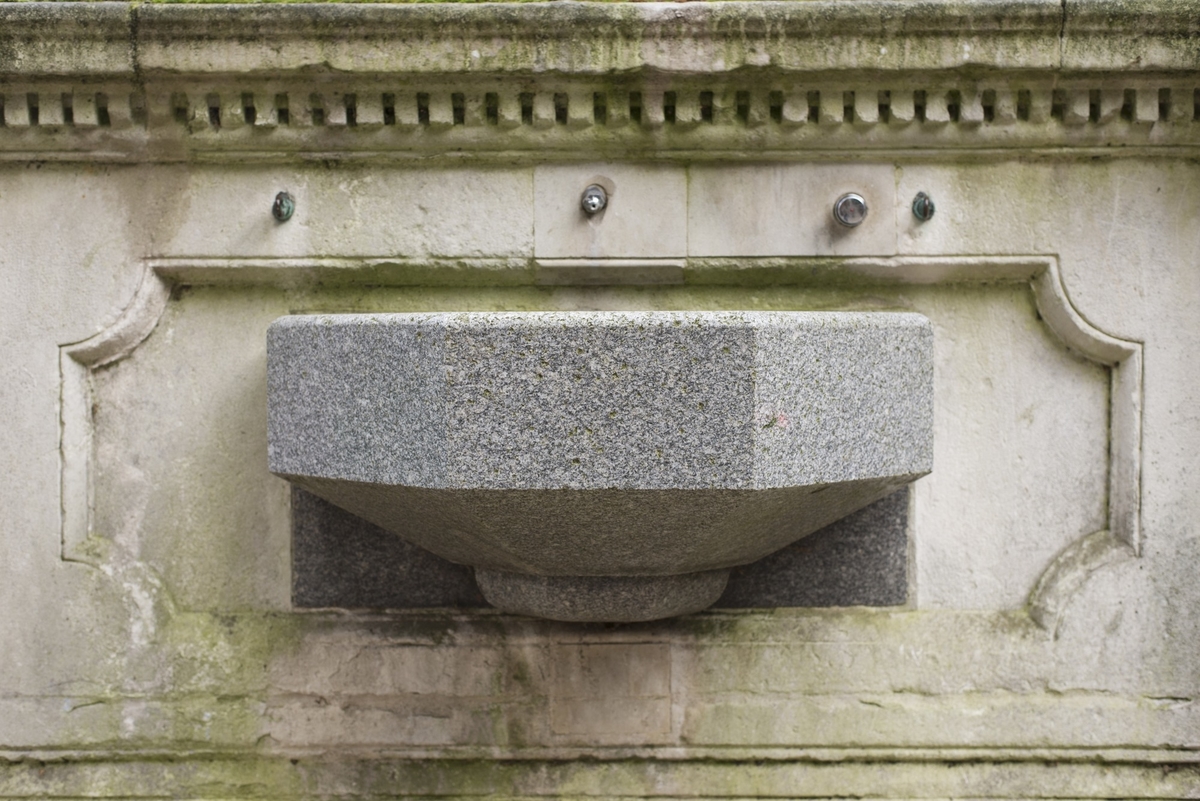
[{"x": 1047, "y": 643}]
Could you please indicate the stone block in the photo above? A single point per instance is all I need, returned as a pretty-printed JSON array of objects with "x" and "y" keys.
[
  {"x": 646, "y": 215},
  {"x": 607, "y": 444},
  {"x": 618, "y": 693},
  {"x": 787, "y": 210},
  {"x": 860, "y": 560},
  {"x": 340, "y": 560}
]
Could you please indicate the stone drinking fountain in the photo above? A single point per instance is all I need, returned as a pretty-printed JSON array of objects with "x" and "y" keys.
[{"x": 601, "y": 466}]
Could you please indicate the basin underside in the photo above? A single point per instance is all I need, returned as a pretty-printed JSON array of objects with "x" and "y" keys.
[
  {"x": 611, "y": 599},
  {"x": 608, "y": 532}
]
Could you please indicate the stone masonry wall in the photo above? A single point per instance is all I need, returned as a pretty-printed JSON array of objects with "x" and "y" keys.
[{"x": 1049, "y": 646}]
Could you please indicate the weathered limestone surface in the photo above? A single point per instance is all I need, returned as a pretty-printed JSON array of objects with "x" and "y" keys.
[{"x": 154, "y": 651}]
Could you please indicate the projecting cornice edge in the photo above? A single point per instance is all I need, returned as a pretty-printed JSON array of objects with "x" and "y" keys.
[{"x": 110, "y": 39}]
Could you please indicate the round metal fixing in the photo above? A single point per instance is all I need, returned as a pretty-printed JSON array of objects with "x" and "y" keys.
[
  {"x": 283, "y": 207},
  {"x": 922, "y": 207},
  {"x": 594, "y": 199},
  {"x": 850, "y": 209}
]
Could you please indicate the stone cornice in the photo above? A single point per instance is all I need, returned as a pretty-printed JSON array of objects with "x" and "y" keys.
[
  {"x": 560, "y": 80},
  {"x": 109, "y": 39}
]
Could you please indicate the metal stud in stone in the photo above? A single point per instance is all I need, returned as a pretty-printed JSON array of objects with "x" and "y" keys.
[
  {"x": 922, "y": 207},
  {"x": 284, "y": 207},
  {"x": 594, "y": 199},
  {"x": 850, "y": 209}
]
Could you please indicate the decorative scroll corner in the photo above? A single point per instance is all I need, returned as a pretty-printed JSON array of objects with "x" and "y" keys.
[
  {"x": 1067, "y": 574},
  {"x": 1124, "y": 357},
  {"x": 1122, "y": 539},
  {"x": 130, "y": 328},
  {"x": 76, "y": 361}
]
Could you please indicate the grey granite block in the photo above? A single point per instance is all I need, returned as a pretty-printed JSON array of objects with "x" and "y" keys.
[
  {"x": 625, "y": 599},
  {"x": 340, "y": 560},
  {"x": 584, "y": 400},
  {"x": 601, "y": 444},
  {"x": 860, "y": 560},
  {"x": 601, "y": 532}
]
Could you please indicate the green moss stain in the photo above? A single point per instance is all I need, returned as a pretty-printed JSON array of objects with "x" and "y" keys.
[
  {"x": 227, "y": 654},
  {"x": 324, "y": 777}
]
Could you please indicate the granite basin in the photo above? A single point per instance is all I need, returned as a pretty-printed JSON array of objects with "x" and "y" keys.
[{"x": 607, "y": 466}]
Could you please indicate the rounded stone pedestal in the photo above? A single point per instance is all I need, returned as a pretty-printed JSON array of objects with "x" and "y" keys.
[{"x": 610, "y": 599}]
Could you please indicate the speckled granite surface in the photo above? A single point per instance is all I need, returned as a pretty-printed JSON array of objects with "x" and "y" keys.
[
  {"x": 601, "y": 400},
  {"x": 339, "y": 560},
  {"x": 606, "y": 443}
]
